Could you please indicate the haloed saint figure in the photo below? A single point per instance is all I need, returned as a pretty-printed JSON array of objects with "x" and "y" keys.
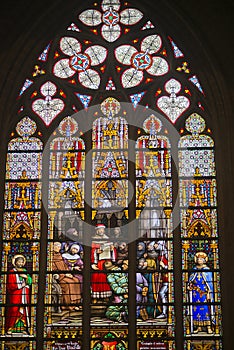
[
  {"x": 18, "y": 294},
  {"x": 201, "y": 296}
]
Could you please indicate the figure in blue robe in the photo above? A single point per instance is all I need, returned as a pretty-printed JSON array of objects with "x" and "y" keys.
[{"x": 201, "y": 295}]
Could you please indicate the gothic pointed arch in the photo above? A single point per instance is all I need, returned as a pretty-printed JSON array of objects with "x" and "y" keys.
[{"x": 93, "y": 215}]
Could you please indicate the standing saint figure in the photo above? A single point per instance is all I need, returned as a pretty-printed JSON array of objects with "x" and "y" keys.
[
  {"x": 18, "y": 293},
  {"x": 200, "y": 289}
]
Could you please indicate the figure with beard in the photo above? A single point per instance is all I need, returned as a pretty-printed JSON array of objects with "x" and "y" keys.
[
  {"x": 122, "y": 252},
  {"x": 18, "y": 293},
  {"x": 151, "y": 252}
]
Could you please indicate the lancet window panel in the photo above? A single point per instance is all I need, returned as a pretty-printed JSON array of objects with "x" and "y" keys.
[
  {"x": 109, "y": 258},
  {"x": 65, "y": 250},
  {"x": 199, "y": 237},
  {"x": 155, "y": 314},
  {"x": 21, "y": 232}
]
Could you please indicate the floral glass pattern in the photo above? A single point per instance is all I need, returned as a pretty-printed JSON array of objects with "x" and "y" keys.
[
  {"x": 141, "y": 61},
  {"x": 48, "y": 107},
  {"x": 110, "y": 19},
  {"x": 173, "y": 105},
  {"x": 79, "y": 62}
]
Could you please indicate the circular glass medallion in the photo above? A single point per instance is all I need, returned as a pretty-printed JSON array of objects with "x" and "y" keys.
[
  {"x": 110, "y": 107},
  {"x": 110, "y": 17},
  {"x": 68, "y": 126},
  {"x": 79, "y": 62},
  {"x": 141, "y": 60}
]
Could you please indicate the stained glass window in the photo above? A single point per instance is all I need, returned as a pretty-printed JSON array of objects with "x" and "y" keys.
[
  {"x": 154, "y": 248},
  {"x": 21, "y": 233},
  {"x": 64, "y": 284},
  {"x": 199, "y": 235},
  {"x": 90, "y": 217}
]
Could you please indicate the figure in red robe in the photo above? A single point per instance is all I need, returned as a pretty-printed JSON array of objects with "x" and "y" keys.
[
  {"x": 18, "y": 294},
  {"x": 102, "y": 250}
]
